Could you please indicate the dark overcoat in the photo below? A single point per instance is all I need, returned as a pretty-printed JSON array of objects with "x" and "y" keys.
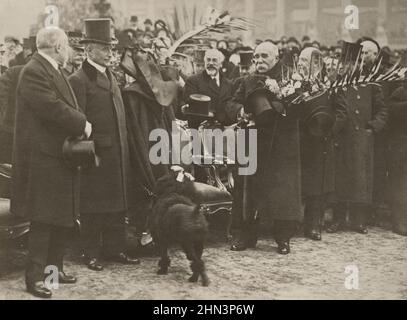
[
  {"x": 317, "y": 153},
  {"x": 354, "y": 152},
  {"x": 145, "y": 114},
  {"x": 398, "y": 167},
  {"x": 202, "y": 83},
  {"x": 8, "y": 89},
  {"x": 44, "y": 188},
  {"x": 277, "y": 182},
  {"x": 103, "y": 188}
]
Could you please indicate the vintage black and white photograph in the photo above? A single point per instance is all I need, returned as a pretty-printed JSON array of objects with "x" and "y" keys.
[{"x": 195, "y": 150}]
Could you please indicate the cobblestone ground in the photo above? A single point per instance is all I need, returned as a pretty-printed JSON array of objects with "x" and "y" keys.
[{"x": 314, "y": 270}]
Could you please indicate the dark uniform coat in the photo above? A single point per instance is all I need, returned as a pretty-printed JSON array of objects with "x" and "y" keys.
[
  {"x": 202, "y": 83},
  {"x": 367, "y": 115},
  {"x": 398, "y": 156},
  {"x": 103, "y": 188},
  {"x": 43, "y": 187},
  {"x": 8, "y": 89},
  {"x": 317, "y": 153},
  {"x": 277, "y": 182}
]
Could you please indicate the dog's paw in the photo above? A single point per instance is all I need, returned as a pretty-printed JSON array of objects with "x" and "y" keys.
[
  {"x": 162, "y": 272},
  {"x": 193, "y": 278}
]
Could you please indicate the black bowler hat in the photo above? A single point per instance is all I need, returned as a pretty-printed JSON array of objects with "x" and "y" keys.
[
  {"x": 198, "y": 106},
  {"x": 98, "y": 31}
]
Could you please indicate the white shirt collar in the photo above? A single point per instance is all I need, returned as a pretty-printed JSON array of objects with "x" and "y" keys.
[
  {"x": 217, "y": 78},
  {"x": 98, "y": 67},
  {"x": 50, "y": 60}
]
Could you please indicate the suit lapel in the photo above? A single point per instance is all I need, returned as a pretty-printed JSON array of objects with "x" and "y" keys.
[
  {"x": 102, "y": 81},
  {"x": 212, "y": 84}
]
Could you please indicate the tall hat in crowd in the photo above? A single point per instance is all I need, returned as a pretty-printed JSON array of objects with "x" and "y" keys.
[
  {"x": 30, "y": 43},
  {"x": 99, "y": 31},
  {"x": 246, "y": 58}
]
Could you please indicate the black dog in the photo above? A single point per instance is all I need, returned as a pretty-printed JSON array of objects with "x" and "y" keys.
[{"x": 177, "y": 219}]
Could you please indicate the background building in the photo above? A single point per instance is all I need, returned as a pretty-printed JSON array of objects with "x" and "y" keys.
[{"x": 322, "y": 20}]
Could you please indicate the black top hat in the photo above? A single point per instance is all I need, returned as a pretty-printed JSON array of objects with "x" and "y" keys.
[
  {"x": 133, "y": 19},
  {"x": 199, "y": 55},
  {"x": 246, "y": 58},
  {"x": 319, "y": 118},
  {"x": 79, "y": 153},
  {"x": 98, "y": 31},
  {"x": 148, "y": 21},
  {"x": 30, "y": 43},
  {"x": 199, "y": 106}
]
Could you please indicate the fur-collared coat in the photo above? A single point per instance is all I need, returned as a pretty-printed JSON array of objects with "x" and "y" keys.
[
  {"x": 104, "y": 188},
  {"x": 44, "y": 188}
]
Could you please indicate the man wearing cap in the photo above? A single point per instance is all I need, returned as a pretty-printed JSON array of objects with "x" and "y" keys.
[
  {"x": 103, "y": 189},
  {"x": 211, "y": 82},
  {"x": 148, "y": 26},
  {"x": 274, "y": 192},
  {"x": 76, "y": 54},
  {"x": 43, "y": 186}
]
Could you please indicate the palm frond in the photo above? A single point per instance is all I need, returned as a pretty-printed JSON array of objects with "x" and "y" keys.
[{"x": 212, "y": 22}]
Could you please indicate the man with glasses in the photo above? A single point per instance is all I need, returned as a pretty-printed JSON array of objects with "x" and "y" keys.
[
  {"x": 103, "y": 202},
  {"x": 275, "y": 190}
]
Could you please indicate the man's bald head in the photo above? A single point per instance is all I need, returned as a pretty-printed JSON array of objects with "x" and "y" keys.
[
  {"x": 370, "y": 50},
  {"x": 266, "y": 56},
  {"x": 53, "y": 42}
]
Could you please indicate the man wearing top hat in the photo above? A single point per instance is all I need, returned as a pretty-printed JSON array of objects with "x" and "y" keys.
[
  {"x": 76, "y": 54},
  {"x": 211, "y": 82},
  {"x": 104, "y": 194},
  {"x": 274, "y": 192}
]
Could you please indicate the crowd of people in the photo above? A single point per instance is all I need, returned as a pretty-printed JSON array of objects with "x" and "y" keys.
[{"x": 65, "y": 89}]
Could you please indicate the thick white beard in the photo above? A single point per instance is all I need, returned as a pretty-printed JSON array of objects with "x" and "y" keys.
[{"x": 212, "y": 73}]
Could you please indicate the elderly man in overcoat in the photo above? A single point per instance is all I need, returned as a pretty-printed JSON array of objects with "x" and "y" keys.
[
  {"x": 43, "y": 186},
  {"x": 275, "y": 189},
  {"x": 354, "y": 152},
  {"x": 104, "y": 188}
]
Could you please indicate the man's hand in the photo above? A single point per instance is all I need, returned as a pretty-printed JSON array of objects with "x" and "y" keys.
[{"x": 88, "y": 130}]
